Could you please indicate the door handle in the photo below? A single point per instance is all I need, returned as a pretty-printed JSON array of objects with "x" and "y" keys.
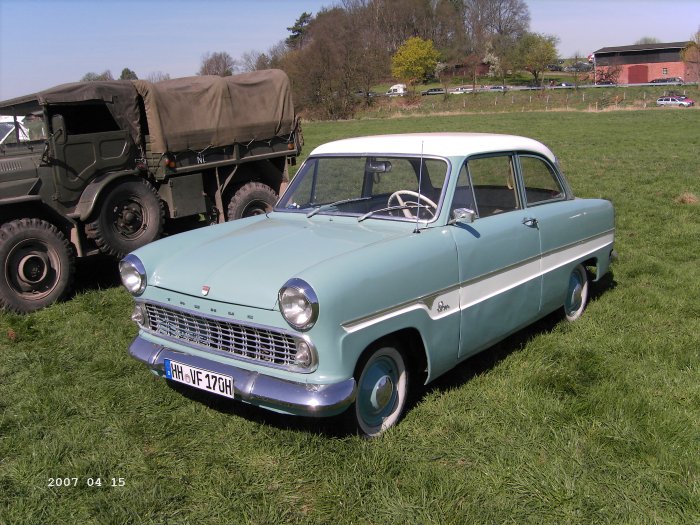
[{"x": 531, "y": 222}]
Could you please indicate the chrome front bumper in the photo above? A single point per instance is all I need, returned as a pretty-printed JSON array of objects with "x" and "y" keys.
[{"x": 268, "y": 392}]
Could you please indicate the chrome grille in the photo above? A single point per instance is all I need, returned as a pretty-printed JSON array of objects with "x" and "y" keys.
[{"x": 258, "y": 344}]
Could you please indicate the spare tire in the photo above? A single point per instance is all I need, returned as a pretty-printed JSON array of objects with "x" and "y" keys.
[
  {"x": 130, "y": 215},
  {"x": 253, "y": 198}
]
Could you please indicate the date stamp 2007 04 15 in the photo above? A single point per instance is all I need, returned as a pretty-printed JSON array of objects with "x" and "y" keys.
[{"x": 75, "y": 481}]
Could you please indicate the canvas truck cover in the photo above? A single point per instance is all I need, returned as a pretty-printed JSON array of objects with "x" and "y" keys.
[
  {"x": 120, "y": 97},
  {"x": 185, "y": 113},
  {"x": 196, "y": 112}
]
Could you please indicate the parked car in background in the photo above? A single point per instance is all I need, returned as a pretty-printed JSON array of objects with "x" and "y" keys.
[
  {"x": 433, "y": 91},
  {"x": 498, "y": 88},
  {"x": 462, "y": 89},
  {"x": 681, "y": 101},
  {"x": 667, "y": 80},
  {"x": 605, "y": 83},
  {"x": 397, "y": 90},
  {"x": 402, "y": 255}
]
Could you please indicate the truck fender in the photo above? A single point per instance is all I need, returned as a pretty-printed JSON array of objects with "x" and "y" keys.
[{"x": 93, "y": 190}]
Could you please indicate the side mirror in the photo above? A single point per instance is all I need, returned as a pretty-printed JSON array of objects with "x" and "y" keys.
[
  {"x": 463, "y": 215},
  {"x": 58, "y": 129}
]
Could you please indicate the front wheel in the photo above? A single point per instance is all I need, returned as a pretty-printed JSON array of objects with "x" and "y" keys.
[
  {"x": 382, "y": 390},
  {"x": 253, "y": 198},
  {"x": 37, "y": 265},
  {"x": 576, "y": 294}
]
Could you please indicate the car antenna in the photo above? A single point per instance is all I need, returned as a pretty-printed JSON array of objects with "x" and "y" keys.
[{"x": 420, "y": 186}]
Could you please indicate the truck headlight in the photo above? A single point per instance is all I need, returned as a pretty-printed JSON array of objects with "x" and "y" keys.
[
  {"x": 298, "y": 304},
  {"x": 133, "y": 274}
]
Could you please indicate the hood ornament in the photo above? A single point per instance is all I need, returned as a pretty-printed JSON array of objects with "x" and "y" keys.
[{"x": 205, "y": 290}]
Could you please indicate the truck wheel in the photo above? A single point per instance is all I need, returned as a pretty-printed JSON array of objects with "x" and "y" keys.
[
  {"x": 37, "y": 263},
  {"x": 253, "y": 198},
  {"x": 130, "y": 216}
]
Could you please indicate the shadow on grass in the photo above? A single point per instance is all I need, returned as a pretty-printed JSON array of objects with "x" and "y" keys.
[
  {"x": 338, "y": 427},
  {"x": 96, "y": 273}
]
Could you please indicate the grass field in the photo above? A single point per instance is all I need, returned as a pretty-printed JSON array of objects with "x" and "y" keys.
[{"x": 592, "y": 422}]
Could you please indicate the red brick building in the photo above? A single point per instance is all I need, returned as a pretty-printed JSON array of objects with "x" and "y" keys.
[{"x": 644, "y": 62}]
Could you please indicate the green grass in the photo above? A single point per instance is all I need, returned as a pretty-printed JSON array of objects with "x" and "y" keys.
[{"x": 592, "y": 422}]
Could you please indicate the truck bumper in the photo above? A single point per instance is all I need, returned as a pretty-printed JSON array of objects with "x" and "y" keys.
[{"x": 279, "y": 395}]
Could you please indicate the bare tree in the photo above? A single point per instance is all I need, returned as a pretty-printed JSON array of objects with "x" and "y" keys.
[
  {"x": 647, "y": 40},
  {"x": 220, "y": 63},
  {"x": 157, "y": 76},
  {"x": 691, "y": 57},
  {"x": 91, "y": 77}
]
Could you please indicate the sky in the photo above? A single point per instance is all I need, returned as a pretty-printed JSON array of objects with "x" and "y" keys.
[{"x": 44, "y": 43}]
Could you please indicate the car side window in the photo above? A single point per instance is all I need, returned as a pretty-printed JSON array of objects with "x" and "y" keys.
[
  {"x": 494, "y": 184},
  {"x": 540, "y": 181},
  {"x": 463, "y": 197}
]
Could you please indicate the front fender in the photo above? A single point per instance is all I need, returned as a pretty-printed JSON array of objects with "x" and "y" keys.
[{"x": 93, "y": 190}]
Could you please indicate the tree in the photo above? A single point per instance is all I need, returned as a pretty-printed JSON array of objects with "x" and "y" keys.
[
  {"x": 535, "y": 51},
  {"x": 299, "y": 31},
  {"x": 414, "y": 60},
  {"x": 92, "y": 77},
  {"x": 647, "y": 40},
  {"x": 691, "y": 57},
  {"x": 128, "y": 74},
  {"x": 220, "y": 64},
  {"x": 157, "y": 76}
]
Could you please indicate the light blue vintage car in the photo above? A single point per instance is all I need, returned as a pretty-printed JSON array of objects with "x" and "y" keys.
[{"x": 386, "y": 262}]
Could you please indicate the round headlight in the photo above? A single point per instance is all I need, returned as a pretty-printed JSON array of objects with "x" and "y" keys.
[
  {"x": 298, "y": 304},
  {"x": 133, "y": 274}
]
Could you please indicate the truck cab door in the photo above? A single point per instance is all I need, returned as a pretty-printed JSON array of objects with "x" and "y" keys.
[{"x": 84, "y": 146}]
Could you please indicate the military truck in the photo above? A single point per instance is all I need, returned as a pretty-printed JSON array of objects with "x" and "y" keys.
[{"x": 106, "y": 167}]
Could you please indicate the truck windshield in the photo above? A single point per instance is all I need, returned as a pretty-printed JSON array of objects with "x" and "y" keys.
[
  {"x": 28, "y": 128},
  {"x": 387, "y": 187}
]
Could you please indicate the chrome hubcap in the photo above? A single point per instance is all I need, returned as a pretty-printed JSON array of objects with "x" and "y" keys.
[{"x": 381, "y": 393}]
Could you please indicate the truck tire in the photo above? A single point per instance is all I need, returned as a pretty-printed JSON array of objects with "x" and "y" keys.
[
  {"x": 253, "y": 198},
  {"x": 37, "y": 265},
  {"x": 130, "y": 215}
]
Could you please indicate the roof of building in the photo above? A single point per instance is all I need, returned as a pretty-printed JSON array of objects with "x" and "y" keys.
[{"x": 642, "y": 47}]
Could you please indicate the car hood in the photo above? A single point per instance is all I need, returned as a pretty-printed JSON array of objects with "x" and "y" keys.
[{"x": 247, "y": 261}]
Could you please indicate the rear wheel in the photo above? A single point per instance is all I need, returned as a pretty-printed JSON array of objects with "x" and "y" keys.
[
  {"x": 382, "y": 390},
  {"x": 253, "y": 198},
  {"x": 130, "y": 216},
  {"x": 576, "y": 294},
  {"x": 37, "y": 263}
]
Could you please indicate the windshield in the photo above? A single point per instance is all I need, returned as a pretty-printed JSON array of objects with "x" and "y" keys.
[
  {"x": 399, "y": 188},
  {"x": 29, "y": 128}
]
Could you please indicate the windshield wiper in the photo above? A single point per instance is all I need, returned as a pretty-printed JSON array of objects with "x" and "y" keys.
[{"x": 336, "y": 203}]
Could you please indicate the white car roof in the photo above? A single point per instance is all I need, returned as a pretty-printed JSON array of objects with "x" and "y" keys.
[{"x": 433, "y": 144}]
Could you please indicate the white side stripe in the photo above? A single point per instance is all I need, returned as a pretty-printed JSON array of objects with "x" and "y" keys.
[{"x": 480, "y": 289}]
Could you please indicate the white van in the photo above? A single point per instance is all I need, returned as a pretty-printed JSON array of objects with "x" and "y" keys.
[{"x": 397, "y": 90}]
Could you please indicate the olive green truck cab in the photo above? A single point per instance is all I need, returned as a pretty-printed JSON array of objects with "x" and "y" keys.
[{"x": 105, "y": 167}]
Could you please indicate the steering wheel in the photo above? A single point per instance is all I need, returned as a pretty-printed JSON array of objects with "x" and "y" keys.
[{"x": 398, "y": 197}]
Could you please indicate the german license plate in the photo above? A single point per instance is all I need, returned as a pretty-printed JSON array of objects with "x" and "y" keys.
[{"x": 199, "y": 378}]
